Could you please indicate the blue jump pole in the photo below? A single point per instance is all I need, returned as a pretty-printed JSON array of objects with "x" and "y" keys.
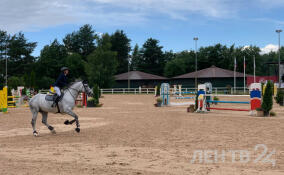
[
  {"x": 185, "y": 97},
  {"x": 241, "y": 102},
  {"x": 186, "y": 92}
]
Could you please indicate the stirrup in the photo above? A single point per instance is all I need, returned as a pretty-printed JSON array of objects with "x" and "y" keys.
[{"x": 53, "y": 104}]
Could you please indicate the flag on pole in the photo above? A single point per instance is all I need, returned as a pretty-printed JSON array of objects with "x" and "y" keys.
[
  {"x": 235, "y": 69},
  {"x": 244, "y": 74},
  {"x": 254, "y": 68}
]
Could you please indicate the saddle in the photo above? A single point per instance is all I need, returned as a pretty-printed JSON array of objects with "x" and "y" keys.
[
  {"x": 54, "y": 98},
  {"x": 51, "y": 96}
]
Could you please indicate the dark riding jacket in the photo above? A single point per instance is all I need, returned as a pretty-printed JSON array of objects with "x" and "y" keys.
[{"x": 61, "y": 81}]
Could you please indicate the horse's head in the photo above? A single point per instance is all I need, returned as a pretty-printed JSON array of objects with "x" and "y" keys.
[{"x": 87, "y": 89}]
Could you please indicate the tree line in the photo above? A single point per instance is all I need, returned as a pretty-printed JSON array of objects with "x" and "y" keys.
[{"x": 97, "y": 58}]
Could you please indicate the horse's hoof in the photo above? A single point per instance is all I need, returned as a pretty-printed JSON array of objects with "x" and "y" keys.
[
  {"x": 35, "y": 133},
  {"x": 53, "y": 131},
  {"x": 66, "y": 122},
  {"x": 77, "y": 130}
]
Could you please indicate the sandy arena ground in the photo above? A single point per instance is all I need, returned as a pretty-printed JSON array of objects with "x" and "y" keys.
[{"x": 128, "y": 135}]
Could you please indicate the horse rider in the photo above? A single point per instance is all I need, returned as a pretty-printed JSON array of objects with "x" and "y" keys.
[{"x": 59, "y": 84}]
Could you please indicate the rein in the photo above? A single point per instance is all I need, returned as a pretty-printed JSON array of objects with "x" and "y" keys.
[{"x": 68, "y": 89}]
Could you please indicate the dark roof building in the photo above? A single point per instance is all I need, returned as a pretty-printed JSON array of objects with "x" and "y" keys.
[
  {"x": 217, "y": 76},
  {"x": 138, "y": 78},
  {"x": 211, "y": 72},
  {"x": 137, "y": 75}
]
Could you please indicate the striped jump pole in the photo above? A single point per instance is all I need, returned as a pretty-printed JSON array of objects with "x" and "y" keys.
[
  {"x": 185, "y": 97},
  {"x": 12, "y": 102},
  {"x": 229, "y": 109},
  {"x": 4, "y": 100},
  {"x": 188, "y": 92},
  {"x": 240, "y": 102}
]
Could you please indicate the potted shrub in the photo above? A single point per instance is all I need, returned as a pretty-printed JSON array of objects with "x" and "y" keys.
[
  {"x": 159, "y": 102},
  {"x": 229, "y": 88},
  {"x": 191, "y": 108},
  {"x": 267, "y": 101},
  {"x": 216, "y": 99},
  {"x": 280, "y": 97},
  {"x": 272, "y": 114},
  {"x": 259, "y": 112},
  {"x": 158, "y": 90},
  {"x": 95, "y": 100},
  {"x": 91, "y": 102}
]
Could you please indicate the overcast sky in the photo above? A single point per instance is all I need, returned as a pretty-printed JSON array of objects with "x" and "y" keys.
[{"x": 173, "y": 22}]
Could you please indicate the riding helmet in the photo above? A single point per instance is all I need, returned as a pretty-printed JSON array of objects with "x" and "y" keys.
[{"x": 64, "y": 68}]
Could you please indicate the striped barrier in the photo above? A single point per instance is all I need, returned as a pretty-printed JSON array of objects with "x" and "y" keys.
[
  {"x": 240, "y": 102},
  {"x": 185, "y": 97},
  {"x": 255, "y": 100},
  {"x": 11, "y": 103},
  {"x": 3, "y": 100},
  {"x": 186, "y": 92},
  {"x": 229, "y": 109}
]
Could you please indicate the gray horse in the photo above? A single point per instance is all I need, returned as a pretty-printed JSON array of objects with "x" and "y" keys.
[{"x": 41, "y": 103}]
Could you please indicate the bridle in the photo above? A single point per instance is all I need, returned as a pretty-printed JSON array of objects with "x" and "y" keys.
[{"x": 85, "y": 89}]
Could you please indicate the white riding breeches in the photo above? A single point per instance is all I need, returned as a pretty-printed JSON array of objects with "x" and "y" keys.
[{"x": 57, "y": 90}]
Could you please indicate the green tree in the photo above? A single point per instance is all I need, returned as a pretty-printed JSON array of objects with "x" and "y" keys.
[
  {"x": 76, "y": 65},
  {"x": 120, "y": 43},
  {"x": 135, "y": 58},
  {"x": 152, "y": 60},
  {"x": 182, "y": 63},
  {"x": 44, "y": 82},
  {"x": 27, "y": 80},
  {"x": 33, "y": 79},
  {"x": 267, "y": 101},
  {"x": 14, "y": 82},
  {"x": 4, "y": 38},
  {"x": 82, "y": 41},
  {"x": 51, "y": 59},
  {"x": 19, "y": 54},
  {"x": 101, "y": 64}
]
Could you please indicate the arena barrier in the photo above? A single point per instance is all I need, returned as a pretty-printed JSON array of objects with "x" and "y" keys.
[
  {"x": 165, "y": 94},
  {"x": 12, "y": 102},
  {"x": 230, "y": 109},
  {"x": 179, "y": 91},
  {"x": 3, "y": 100},
  {"x": 255, "y": 100},
  {"x": 240, "y": 102},
  {"x": 185, "y": 97}
]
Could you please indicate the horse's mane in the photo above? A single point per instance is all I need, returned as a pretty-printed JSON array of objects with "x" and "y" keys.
[{"x": 72, "y": 83}]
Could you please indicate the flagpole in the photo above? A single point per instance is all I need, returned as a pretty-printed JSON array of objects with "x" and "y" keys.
[
  {"x": 254, "y": 69},
  {"x": 244, "y": 74},
  {"x": 6, "y": 76},
  {"x": 235, "y": 67}
]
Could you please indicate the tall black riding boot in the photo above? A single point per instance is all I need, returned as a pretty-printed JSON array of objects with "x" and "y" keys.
[{"x": 55, "y": 101}]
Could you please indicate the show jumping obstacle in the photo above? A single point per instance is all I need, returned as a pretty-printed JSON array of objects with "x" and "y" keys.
[
  {"x": 240, "y": 102},
  {"x": 12, "y": 102},
  {"x": 230, "y": 109},
  {"x": 185, "y": 97},
  {"x": 165, "y": 95},
  {"x": 3, "y": 100},
  {"x": 255, "y": 100}
]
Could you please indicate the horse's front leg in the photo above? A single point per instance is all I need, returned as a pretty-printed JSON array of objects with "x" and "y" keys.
[{"x": 69, "y": 112}]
